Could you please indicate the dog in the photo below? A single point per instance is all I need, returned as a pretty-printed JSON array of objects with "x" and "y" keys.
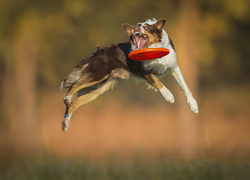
[{"x": 100, "y": 71}]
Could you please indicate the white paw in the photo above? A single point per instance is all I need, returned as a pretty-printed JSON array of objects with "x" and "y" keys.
[
  {"x": 192, "y": 104},
  {"x": 167, "y": 94},
  {"x": 67, "y": 98},
  {"x": 65, "y": 122}
]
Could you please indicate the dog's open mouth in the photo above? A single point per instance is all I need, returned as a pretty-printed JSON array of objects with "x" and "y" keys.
[{"x": 141, "y": 40}]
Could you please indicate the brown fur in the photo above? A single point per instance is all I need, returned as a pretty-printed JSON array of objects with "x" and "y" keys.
[{"x": 154, "y": 81}]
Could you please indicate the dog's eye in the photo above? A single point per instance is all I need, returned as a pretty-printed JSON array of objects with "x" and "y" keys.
[{"x": 146, "y": 28}]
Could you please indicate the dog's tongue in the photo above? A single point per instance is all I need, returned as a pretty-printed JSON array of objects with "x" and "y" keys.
[{"x": 141, "y": 41}]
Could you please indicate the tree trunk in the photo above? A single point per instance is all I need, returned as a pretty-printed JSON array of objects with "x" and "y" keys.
[
  {"x": 187, "y": 59},
  {"x": 19, "y": 89}
]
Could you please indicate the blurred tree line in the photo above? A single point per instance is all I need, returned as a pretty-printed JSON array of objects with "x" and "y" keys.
[
  {"x": 224, "y": 42},
  {"x": 64, "y": 32}
]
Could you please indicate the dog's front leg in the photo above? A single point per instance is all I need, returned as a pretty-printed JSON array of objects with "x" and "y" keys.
[
  {"x": 154, "y": 81},
  {"x": 180, "y": 80}
]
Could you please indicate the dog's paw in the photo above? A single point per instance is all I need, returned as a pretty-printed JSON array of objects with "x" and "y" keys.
[
  {"x": 167, "y": 94},
  {"x": 192, "y": 104},
  {"x": 67, "y": 100},
  {"x": 65, "y": 122}
]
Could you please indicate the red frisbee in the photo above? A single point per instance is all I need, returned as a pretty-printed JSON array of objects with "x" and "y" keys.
[{"x": 148, "y": 54}]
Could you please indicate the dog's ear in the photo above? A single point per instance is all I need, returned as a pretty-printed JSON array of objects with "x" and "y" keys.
[
  {"x": 159, "y": 24},
  {"x": 128, "y": 29}
]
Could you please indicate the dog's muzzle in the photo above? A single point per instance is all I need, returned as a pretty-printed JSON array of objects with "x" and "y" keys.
[{"x": 140, "y": 38}]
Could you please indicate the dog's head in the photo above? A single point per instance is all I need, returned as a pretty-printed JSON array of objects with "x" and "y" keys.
[{"x": 145, "y": 35}]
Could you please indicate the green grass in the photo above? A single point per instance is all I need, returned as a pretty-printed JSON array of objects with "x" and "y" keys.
[{"x": 156, "y": 170}]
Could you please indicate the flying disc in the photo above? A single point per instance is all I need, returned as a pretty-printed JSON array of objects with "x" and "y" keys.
[{"x": 148, "y": 54}]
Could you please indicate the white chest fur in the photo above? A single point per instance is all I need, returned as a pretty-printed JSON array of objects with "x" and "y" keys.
[{"x": 162, "y": 65}]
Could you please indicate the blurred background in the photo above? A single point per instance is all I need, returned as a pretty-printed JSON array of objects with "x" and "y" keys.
[{"x": 41, "y": 41}]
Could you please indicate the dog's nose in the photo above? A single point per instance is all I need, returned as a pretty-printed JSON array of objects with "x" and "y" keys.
[{"x": 137, "y": 28}]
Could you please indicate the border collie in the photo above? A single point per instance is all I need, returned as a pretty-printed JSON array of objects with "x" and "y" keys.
[{"x": 100, "y": 71}]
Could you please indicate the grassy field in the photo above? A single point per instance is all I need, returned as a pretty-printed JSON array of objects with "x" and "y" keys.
[{"x": 155, "y": 170}]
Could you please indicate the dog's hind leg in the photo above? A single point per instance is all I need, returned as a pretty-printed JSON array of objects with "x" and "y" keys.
[
  {"x": 80, "y": 85},
  {"x": 86, "y": 95},
  {"x": 118, "y": 73}
]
